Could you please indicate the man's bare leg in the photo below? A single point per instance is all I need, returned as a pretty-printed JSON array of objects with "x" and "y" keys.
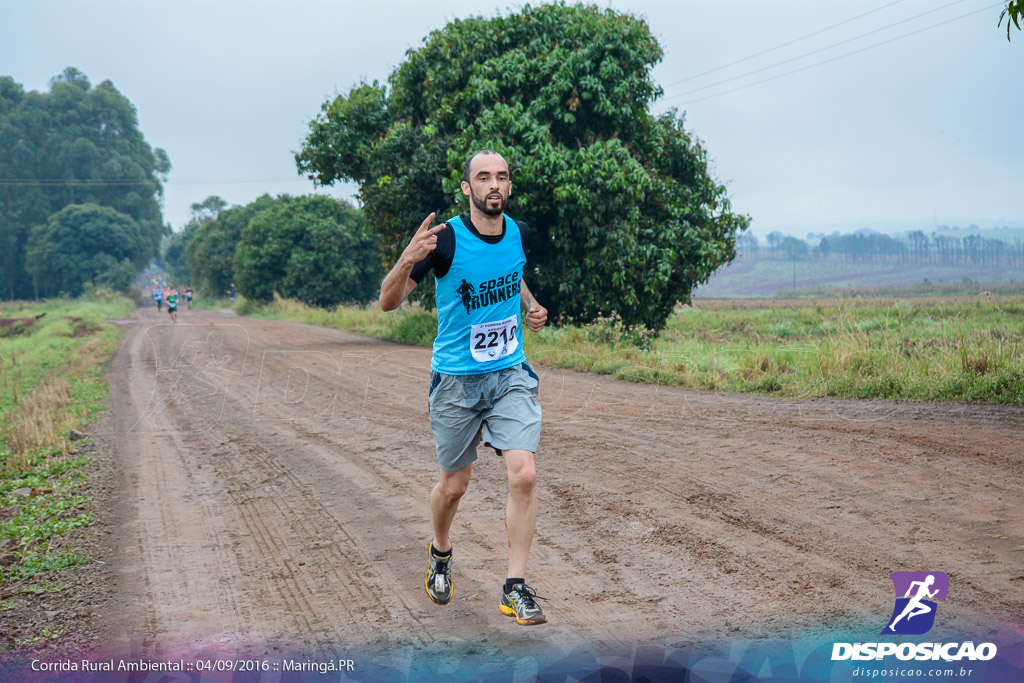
[
  {"x": 521, "y": 509},
  {"x": 517, "y": 598},
  {"x": 444, "y": 502}
]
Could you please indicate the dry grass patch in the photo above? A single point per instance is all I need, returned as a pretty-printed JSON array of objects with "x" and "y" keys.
[
  {"x": 39, "y": 421},
  {"x": 42, "y": 420}
]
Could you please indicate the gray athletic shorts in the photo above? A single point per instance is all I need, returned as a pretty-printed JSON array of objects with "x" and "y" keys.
[{"x": 503, "y": 402}]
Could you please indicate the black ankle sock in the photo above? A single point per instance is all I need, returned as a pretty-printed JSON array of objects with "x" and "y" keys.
[
  {"x": 511, "y": 582},
  {"x": 438, "y": 553}
]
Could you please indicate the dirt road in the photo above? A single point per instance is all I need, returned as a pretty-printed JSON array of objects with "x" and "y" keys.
[{"x": 275, "y": 480}]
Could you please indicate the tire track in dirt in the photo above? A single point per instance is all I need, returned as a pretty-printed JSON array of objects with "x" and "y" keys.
[
  {"x": 161, "y": 467},
  {"x": 291, "y": 502}
]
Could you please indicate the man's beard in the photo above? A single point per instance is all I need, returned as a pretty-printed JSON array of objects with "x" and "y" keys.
[{"x": 482, "y": 205}]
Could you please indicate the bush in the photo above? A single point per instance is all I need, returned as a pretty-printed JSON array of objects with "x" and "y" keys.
[{"x": 313, "y": 249}]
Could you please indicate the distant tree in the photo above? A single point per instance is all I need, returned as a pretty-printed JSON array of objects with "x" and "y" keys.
[
  {"x": 972, "y": 249},
  {"x": 920, "y": 244},
  {"x": 1014, "y": 11},
  {"x": 994, "y": 251},
  {"x": 210, "y": 252},
  {"x": 866, "y": 245},
  {"x": 940, "y": 245},
  {"x": 625, "y": 213},
  {"x": 85, "y": 243},
  {"x": 747, "y": 243},
  {"x": 774, "y": 239},
  {"x": 173, "y": 251},
  {"x": 76, "y": 144},
  {"x": 824, "y": 248},
  {"x": 176, "y": 245},
  {"x": 207, "y": 209},
  {"x": 314, "y": 249},
  {"x": 793, "y": 247}
]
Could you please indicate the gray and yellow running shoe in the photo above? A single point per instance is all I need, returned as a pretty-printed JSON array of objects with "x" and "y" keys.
[
  {"x": 519, "y": 603},
  {"x": 438, "y": 581}
]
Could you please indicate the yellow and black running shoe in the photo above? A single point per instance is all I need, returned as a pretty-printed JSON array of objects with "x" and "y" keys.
[
  {"x": 439, "y": 577},
  {"x": 519, "y": 602}
]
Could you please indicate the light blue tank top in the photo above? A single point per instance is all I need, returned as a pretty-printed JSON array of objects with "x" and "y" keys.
[{"x": 478, "y": 321}]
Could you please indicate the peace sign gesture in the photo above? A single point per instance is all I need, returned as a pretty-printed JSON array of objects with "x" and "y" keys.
[{"x": 423, "y": 242}]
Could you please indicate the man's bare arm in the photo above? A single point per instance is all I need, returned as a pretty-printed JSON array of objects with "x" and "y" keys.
[{"x": 397, "y": 285}]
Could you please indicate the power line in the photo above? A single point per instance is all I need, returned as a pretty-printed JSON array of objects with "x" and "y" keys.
[
  {"x": 128, "y": 183},
  {"x": 848, "y": 54},
  {"x": 782, "y": 45},
  {"x": 813, "y": 52},
  {"x": 238, "y": 182}
]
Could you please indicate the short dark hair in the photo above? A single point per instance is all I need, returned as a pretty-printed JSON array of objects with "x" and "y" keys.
[{"x": 469, "y": 161}]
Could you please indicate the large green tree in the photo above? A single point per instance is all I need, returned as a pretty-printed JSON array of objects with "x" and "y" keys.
[
  {"x": 85, "y": 243},
  {"x": 313, "y": 248},
  {"x": 626, "y": 217},
  {"x": 75, "y": 144}
]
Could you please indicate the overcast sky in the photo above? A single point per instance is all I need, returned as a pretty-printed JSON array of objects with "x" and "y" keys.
[{"x": 921, "y": 130}]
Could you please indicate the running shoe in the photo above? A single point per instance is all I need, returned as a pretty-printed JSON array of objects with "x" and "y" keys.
[
  {"x": 519, "y": 603},
  {"x": 438, "y": 581}
]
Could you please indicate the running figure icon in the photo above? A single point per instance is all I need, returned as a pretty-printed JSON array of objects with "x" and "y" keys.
[
  {"x": 917, "y": 594},
  {"x": 915, "y": 607}
]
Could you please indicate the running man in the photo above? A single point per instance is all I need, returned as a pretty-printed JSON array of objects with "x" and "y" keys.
[
  {"x": 188, "y": 296},
  {"x": 172, "y": 304},
  {"x": 158, "y": 294},
  {"x": 480, "y": 382},
  {"x": 915, "y": 607}
]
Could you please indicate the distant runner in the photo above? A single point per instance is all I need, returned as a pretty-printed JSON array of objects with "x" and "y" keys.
[
  {"x": 158, "y": 294},
  {"x": 172, "y": 304},
  {"x": 188, "y": 296},
  {"x": 480, "y": 382}
]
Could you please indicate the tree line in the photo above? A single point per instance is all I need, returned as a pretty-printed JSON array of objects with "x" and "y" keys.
[
  {"x": 313, "y": 248},
  {"x": 917, "y": 248},
  {"x": 80, "y": 188},
  {"x": 626, "y": 216}
]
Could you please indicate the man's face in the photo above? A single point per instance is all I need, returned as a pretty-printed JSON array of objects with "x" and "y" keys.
[{"x": 489, "y": 184}]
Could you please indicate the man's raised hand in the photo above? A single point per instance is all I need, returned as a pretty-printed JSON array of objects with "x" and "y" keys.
[{"x": 423, "y": 242}]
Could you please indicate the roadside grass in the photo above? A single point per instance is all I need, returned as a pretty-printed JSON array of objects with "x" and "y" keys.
[
  {"x": 967, "y": 348},
  {"x": 51, "y": 380},
  {"x": 411, "y": 324}
]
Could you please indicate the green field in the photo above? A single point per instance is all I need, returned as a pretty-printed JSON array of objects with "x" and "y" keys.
[
  {"x": 51, "y": 380},
  {"x": 921, "y": 289},
  {"x": 761, "y": 277},
  {"x": 960, "y": 348}
]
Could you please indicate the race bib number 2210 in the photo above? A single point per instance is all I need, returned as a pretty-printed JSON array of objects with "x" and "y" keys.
[{"x": 494, "y": 340}]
